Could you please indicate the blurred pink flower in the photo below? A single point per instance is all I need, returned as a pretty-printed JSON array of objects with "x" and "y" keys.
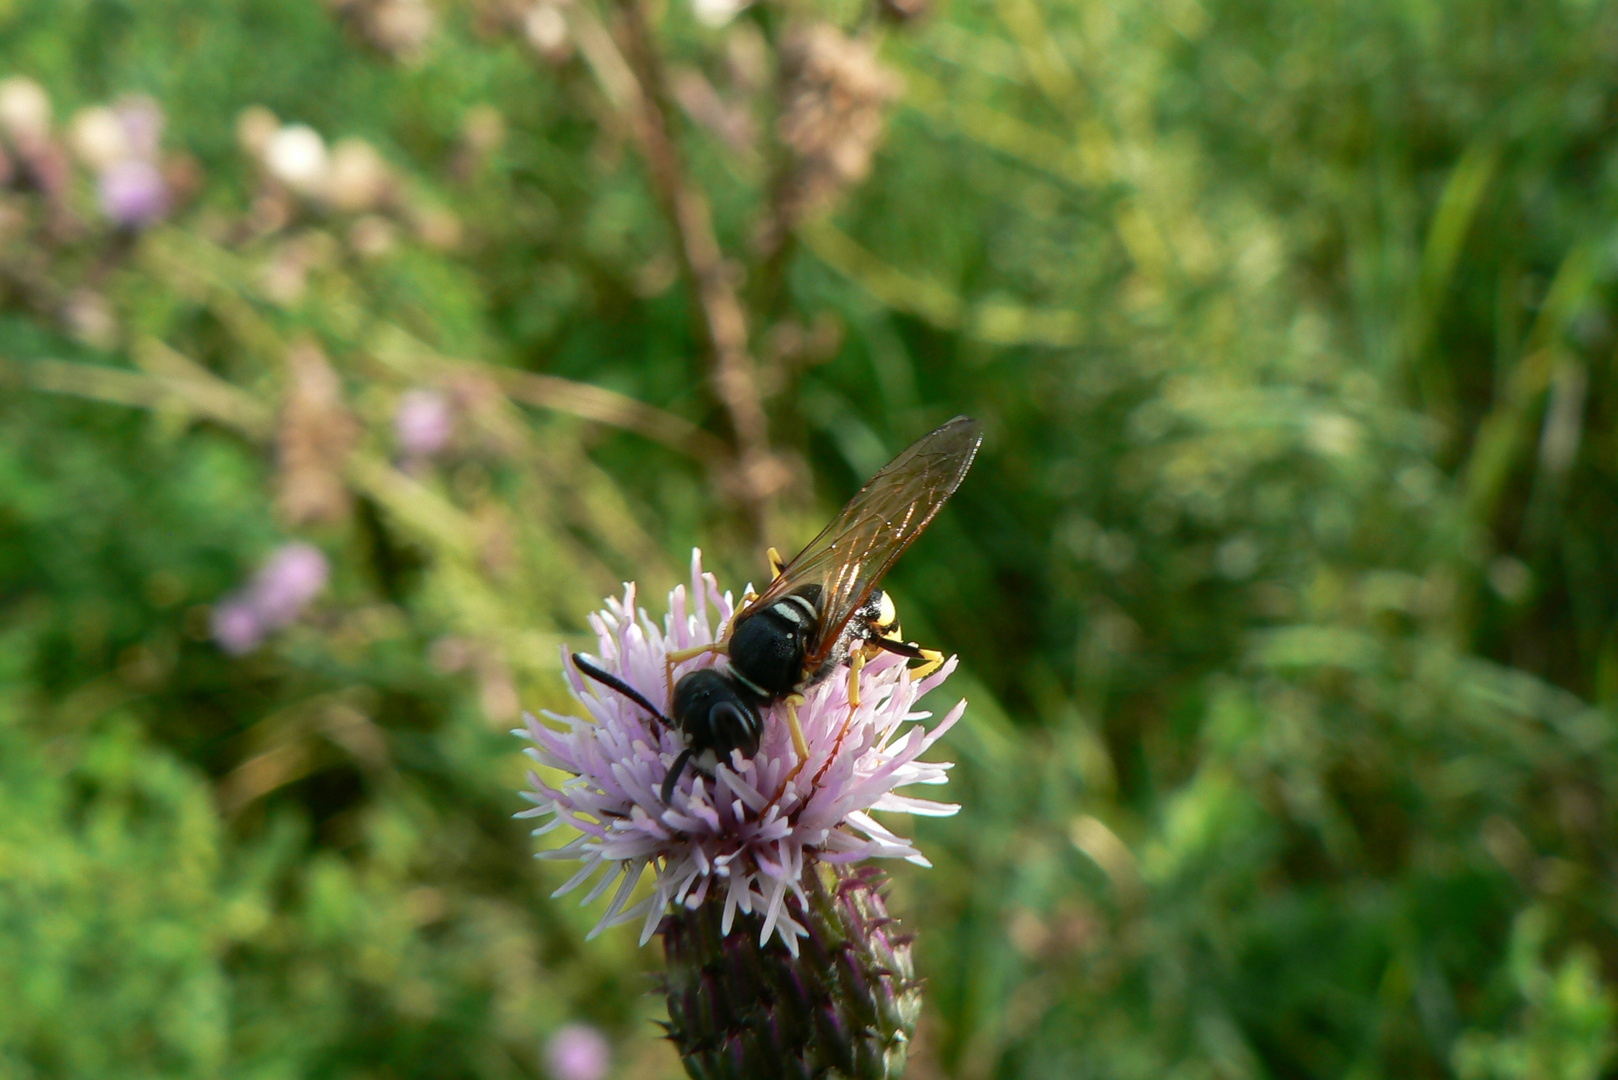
[
  {"x": 133, "y": 193},
  {"x": 577, "y": 1052},
  {"x": 284, "y": 586},
  {"x": 423, "y": 423},
  {"x": 746, "y": 831},
  {"x": 278, "y": 593},
  {"x": 236, "y": 627}
]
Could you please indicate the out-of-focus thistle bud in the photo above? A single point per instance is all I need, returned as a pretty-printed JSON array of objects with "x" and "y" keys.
[
  {"x": 98, "y": 138},
  {"x": 400, "y": 28},
  {"x": 316, "y": 433},
  {"x": 578, "y": 1052},
  {"x": 903, "y": 11},
  {"x": 544, "y": 27},
  {"x": 122, "y": 145},
  {"x": 358, "y": 179},
  {"x": 717, "y": 13},
  {"x": 845, "y": 1006},
  {"x": 25, "y": 113},
  {"x": 283, "y": 587},
  {"x": 830, "y": 122},
  {"x": 133, "y": 193},
  {"x": 255, "y": 127},
  {"x": 423, "y": 424}
]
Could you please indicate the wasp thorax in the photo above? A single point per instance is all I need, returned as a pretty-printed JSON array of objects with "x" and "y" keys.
[{"x": 767, "y": 648}]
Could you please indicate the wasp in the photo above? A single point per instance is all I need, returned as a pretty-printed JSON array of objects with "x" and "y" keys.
[{"x": 822, "y": 610}]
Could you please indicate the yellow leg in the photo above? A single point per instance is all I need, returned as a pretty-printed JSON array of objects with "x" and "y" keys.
[
  {"x": 932, "y": 659},
  {"x": 800, "y": 745},
  {"x": 680, "y": 656},
  {"x": 776, "y": 563},
  {"x": 856, "y": 664}
]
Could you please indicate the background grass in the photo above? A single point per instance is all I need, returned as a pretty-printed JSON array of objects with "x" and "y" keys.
[{"x": 1284, "y": 586}]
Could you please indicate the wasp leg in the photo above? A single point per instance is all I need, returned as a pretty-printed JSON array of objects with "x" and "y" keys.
[
  {"x": 673, "y": 777},
  {"x": 856, "y": 664},
  {"x": 722, "y": 647},
  {"x": 931, "y": 658},
  {"x": 776, "y": 564},
  {"x": 800, "y": 745},
  {"x": 730, "y": 624},
  {"x": 934, "y": 660},
  {"x": 680, "y": 656}
]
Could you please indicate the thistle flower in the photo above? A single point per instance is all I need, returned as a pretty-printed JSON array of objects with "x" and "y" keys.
[
  {"x": 286, "y": 584},
  {"x": 748, "y": 833},
  {"x": 423, "y": 423},
  {"x": 133, "y": 193},
  {"x": 782, "y": 959},
  {"x": 577, "y": 1052}
]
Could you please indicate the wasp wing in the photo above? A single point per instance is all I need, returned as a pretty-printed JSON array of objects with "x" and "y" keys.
[{"x": 851, "y": 554}]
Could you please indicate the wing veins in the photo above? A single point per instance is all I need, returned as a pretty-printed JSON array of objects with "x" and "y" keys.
[{"x": 857, "y": 548}]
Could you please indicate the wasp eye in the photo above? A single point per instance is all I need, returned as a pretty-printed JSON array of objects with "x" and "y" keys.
[
  {"x": 725, "y": 715},
  {"x": 733, "y": 727}
]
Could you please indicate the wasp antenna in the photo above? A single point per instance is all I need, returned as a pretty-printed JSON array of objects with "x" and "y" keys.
[
  {"x": 674, "y": 775},
  {"x": 615, "y": 683}
]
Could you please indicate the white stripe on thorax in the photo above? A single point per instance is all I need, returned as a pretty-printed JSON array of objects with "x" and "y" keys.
[{"x": 802, "y": 612}]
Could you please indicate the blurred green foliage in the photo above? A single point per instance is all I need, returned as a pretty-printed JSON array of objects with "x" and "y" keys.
[{"x": 1284, "y": 585}]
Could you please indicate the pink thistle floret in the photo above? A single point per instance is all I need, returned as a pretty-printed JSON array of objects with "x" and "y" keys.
[{"x": 746, "y": 832}]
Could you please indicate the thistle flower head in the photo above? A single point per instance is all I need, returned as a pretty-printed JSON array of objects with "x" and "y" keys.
[
  {"x": 133, "y": 193},
  {"x": 578, "y": 1052},
  {"x": 285, "y": 585},
  {"x": 749, "y": 834}
]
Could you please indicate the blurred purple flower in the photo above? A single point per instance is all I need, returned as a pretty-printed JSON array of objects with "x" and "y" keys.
[
  {"x": 284, "y": 586},
  {"x": 133, "y": 193},
  {"x": 236, "y": 627},
  {"x": 423, "y": 423},
  {"x": 577, "y": 1052},
  {"x": 278, "y": 593}
]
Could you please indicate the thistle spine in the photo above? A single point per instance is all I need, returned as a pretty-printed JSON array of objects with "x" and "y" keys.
[{"x": 845, "y": 1007}]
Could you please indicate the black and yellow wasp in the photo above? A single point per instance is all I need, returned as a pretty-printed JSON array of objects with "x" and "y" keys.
[{"x": 821, "y": 611}]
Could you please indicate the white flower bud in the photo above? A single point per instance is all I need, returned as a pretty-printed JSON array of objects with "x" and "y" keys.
[
  {"x": 255, "y": 127},
  {"x": 545, "y": 27},
  {"x": 97, "y": 138},
  {"x": 25, "y": 111},
  {"x": 358, "y": 178},
  {"x": 716, "y": 12},
  {"x": 296, "y": 156}
]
